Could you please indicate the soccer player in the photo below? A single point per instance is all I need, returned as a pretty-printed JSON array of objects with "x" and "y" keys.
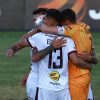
[
  {"x": 53, "y": 77},
  {"x": 32, "y": 82},
  {"x": 31, "y": 78},
  {"x": 79, "y": 78},
  {"x": 53, "y": 68},
  {"x": 40, "y": 54}
]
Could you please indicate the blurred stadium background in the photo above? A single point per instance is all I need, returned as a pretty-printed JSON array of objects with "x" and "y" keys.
[{"x": 16, "y": 20}]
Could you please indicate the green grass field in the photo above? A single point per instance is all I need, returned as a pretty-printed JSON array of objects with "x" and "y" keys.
[{"x": 13, "y": 69}]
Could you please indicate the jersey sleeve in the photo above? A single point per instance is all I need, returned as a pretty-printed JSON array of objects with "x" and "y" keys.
[
  {"x": 32, "y": 41},
  {"x": 66, "y": 31},
  {"x": 61, "y": 30},
  {"x": 71, "y": 46}
]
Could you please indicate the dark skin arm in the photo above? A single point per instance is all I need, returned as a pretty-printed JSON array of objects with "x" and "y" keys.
[
  {"x": 78, "y": 61},
  {"x": 18, "y": 46},
  {"x": 36, "y": 55},
  {"x": 21, "y": 43},
  {"x": 92, "y": 59},
  {"x": 24, "y": 80}
]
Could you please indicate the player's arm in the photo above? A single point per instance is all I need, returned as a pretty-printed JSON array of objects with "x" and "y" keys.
[
  {"x": 24, "y": 78},
  {"x": 78, "y": 61},
  {"x": 57, "y": 43},
  {"x": 92, "y": 59},
  {"x": 48, "y": 29},
  {"x": 16, "y": 47},
  {"x": 56, "y": 30},
  {"x": 72, "y": 53},
  {"x": 30, "y": 33}
]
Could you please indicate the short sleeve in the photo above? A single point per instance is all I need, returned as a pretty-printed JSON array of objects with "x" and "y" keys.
[
  {"x": 66, "y": 31},
  {"x": 61, "y": 30},
  {"x": 32, "y": 41},
  {"x": 71, "y": 46}
]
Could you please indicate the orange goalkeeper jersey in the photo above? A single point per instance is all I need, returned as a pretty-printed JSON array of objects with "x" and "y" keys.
[{"x": 82, "y": 37}]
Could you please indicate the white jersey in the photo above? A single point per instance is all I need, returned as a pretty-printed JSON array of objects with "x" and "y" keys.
[
  {"x": 53, "y": 69},
  {"x": 34, "y": 66},
  {"x": 32, "y": 81}
]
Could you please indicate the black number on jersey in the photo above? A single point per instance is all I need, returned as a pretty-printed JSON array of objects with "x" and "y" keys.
[{"x": 59, "y": 57}]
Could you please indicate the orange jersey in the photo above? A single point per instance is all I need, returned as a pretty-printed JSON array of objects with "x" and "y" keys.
[
  {"x": 79, "y": 86},
  {"x": 80, "y": 34}
]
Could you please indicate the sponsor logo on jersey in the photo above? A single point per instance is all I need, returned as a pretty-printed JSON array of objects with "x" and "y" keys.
[{"x": 54, "y": 75}]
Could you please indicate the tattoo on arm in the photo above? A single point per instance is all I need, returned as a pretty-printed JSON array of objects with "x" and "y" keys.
[
  {"x": 42, "y": 53},
  {"x": 34, "y": 51},
  {"x": 19, "y": 45},
  {"x": 14, "y": 48},
  {"x": 46, "y": 51}
]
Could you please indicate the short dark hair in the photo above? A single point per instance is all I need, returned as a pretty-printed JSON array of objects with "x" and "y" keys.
[
  {"x": 54, "y": 13},
  {"x": 68, "y": 14},
  {"x": 39, "y": 11}
]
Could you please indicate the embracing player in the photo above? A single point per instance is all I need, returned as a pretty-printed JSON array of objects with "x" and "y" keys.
[
  {"x": 53, "y": 78},
  {"x": 30, "y": 80},
  {"x": 79, "y": 78},
  {"x": 53, "y": 68}
]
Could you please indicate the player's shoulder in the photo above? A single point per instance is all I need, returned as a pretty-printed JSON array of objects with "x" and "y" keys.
[
  {"x": 83, "y": 24},
  {"x": 39, "y": 34}
]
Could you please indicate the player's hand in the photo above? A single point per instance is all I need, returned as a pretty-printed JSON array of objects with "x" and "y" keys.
[
  {"x": 39, "y": 20},
  {"x": 24, "y": 80},
  {"x": 9, "y": 53},
  {"x": 57, "y": 43}
]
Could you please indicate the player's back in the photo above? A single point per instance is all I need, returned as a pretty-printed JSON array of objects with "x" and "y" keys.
[{"x": 53, "y": 69}]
